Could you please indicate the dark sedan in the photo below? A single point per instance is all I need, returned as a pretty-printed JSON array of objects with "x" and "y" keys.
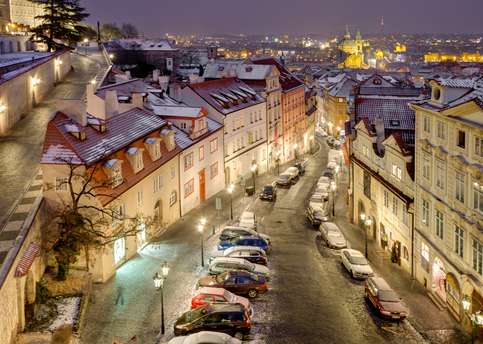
[
  {"x": 237, "y": 282},
  {"x": 269, "y": 192}
]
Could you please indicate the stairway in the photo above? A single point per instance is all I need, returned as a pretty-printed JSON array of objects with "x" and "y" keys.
[{"x": 434, "y": 296}]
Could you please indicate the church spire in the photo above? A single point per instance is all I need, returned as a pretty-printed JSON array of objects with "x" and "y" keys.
[
  {"x": 347, "y": 34},
  {"x": 358, "y": 35}
]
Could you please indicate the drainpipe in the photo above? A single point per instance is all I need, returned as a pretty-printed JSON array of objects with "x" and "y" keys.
[{"x": 412, "y": 246}]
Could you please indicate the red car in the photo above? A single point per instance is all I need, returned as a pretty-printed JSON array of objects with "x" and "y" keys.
[
  {"x": 384, "y": 298},
  {"x": 209, "y": 294}
]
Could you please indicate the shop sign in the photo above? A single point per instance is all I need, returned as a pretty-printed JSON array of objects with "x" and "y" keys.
[{"x": 452, "y": 293}]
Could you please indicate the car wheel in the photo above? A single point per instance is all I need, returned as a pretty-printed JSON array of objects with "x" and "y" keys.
[
  {"x": 238, "y": 335},
  {"x": 352, "y": 273},
  {"x": 366, "y": 295},
  {"x": 252, "y": 293}
]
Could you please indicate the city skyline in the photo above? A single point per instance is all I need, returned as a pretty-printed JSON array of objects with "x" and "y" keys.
[{"x": 329, "y": 18}]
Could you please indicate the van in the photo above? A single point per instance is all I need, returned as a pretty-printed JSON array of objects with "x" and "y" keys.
[
  {"x": 335, "y": 155},
  {"x": 248, "y": 220}
]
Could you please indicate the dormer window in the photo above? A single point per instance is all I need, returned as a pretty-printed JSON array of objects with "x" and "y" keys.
[
  {"x": 377, "y": 81},
  {"x": 135, "y": 158},
  {"x": 200, "y": 124},
  {"x": 167, "y": 135},
  {"x": 152, "y": 145},
  {"x": 76, "y": 130},
  {"x": 114, "y": 172},
  {"x": 436, "y": 93}
]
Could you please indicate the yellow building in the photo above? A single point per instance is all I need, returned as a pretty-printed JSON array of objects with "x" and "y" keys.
[
  {"x": 353, "y": 49},
  {"x": 23, "y": 13}
]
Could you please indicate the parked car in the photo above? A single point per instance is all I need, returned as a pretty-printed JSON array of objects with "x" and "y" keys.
[
  {"x": 245, "y": 241},
  {"x": 323, "y": 192},
  {"x": 269, "y": 191},
  {"x": 301, "y": 167},
  {"x": 207, "y": 295},
  {"x": 238, "y": 282},
  {"x": 230, "y": 232},
  {"x": 331, "y": 140},
  {"x": 332, "y": 235},
  {"x": 223, "y": 264},
  {"x": 204, "y": 337},
  {"x": 356, "y": 263},
  {"x": 329, "y": 174},
  {"x": 318, "y": 201},
  {"x": 294, "y": 171},
  {"x": 323, "y": 133},
  {"x": 324, "y": 181},
  {"x": 253, "y": 254},
  {"x": 248, "y": 220},
  {"x": 228, "y": 318},
  {"x": 384, "y": 298},
  {"x": 284, "y": 179},
  {"x": 316, "y": 215}
]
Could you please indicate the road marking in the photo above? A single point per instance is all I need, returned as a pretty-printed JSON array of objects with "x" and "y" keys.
[
  {"x": 389, "y": 330},
  {"x": 262, "y": 218}
]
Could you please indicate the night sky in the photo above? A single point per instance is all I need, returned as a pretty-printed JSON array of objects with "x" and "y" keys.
[{"x": 195, "y": 17}]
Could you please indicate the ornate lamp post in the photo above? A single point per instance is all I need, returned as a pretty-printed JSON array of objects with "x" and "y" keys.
[
  {"x": 367, "y": 223},
  {"x": 295, "y": 152},
  {"x": 254, "y": 167},
  {"x": 230, "y": 190},
  {"x": 159, "y": 285},
  {"x": 311, "y": 145},
  {"x": 475, "y": 319},
  {"x": 85, "y": 46},
  {"x": 333, "y": 186},
  {"x": 200, "y": 229}
]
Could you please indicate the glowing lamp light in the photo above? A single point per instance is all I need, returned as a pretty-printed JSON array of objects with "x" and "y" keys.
[
  {"x": 200, "y": 229},
  {"x": 333, "y": 186},
  {"x": 466, "y": 301},
  {"x": 295, "y": 146},
  {"x": 111, "y": 56},
  {"x": 230, "y": 190},
  {"x": 165, "y": 268},
  {"x": 203, "y": 221},
  {"x": 85, "y": 40},
  {"x": 311, "y": 138},
  {"x": 157, "y": 281},
  {"x": 369, "y": 222},
  {"x": 3, "y": 107},
  {"x": 93, "y": 82},
  {"x": 363, "y": 217},
  {"x": 479, "y": 318}
]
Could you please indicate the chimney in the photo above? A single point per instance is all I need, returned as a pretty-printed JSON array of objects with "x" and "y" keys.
[
  {"x": 201, "y": 79},
  {"x": 156, "y": 40},
  {"x": 224, "y": 74},
  {"x": 232, "y": 73},
  {"x": 73, "y": 108},
  {"x": 137, "y": 100},
  {"x": 175, "y": 92},
  {"x": 381, "y": 135},
  {"x": 155, "y": 75},
  {"x": 111, "y": 104},
  {"x": 128, "y": 73},
  {"x": 193, "y": 79}
]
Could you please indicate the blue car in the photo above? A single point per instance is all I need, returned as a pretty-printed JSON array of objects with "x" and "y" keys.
[{"x": 244, "y": 241}]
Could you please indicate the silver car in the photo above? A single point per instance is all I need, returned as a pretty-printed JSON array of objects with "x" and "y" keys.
[
  {"x": 294, "y": 171},
  {"x": 356, "y": 263},
  {"x": 284, "y": 179},
  {"x": 332, "y": 235},
  {"x": 223, "y": 264}
]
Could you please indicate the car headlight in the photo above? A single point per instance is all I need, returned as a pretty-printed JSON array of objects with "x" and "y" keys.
[
  {"x": 385, "y": 312},
  {"x": 180, "y": 326}
]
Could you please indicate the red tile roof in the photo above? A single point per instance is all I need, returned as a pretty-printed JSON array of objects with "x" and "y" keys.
[
  {"x": 27, "y": 260},
  {"x": 288, "y": 80}
]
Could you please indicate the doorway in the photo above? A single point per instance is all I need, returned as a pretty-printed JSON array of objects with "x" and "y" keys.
[
  {"x": 202, "y": 186},
  {"x": 227, "y": 175},
  {"x": 439, "y": 278}
]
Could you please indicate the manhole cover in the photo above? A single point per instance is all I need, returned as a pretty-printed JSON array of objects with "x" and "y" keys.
[{"x": 381, "y": 254}]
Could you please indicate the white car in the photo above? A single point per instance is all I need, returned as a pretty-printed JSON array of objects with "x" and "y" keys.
[
  {"x": 317, "y": 201},
  {"x": 356, "y": 264},
  {"x": 323, "y": 133},
  {"x": 247, "y": 219},
  {"x": 294, "y": 171},
  {"x": 322, "y": 191},
  {"x": 324, "y": 181},
  {"x": 204, "y": 337},
  {"x": 332, "y": 235}
]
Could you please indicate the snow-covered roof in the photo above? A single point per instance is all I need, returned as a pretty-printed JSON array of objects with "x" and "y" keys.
[
  {"x": 179, "y": 111},
  {"x": 110, "y": 163},
  {"x": 243, "y": 71},
  {"x": 148, "y": 44},
  {"x": 456, "y": 83}
]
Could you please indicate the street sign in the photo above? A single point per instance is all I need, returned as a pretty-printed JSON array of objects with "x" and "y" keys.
[{"x": 218, "y": 203}]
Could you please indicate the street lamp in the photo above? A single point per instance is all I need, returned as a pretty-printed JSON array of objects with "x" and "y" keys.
[
  {"x": 295, "y": 152},
  {"x": 200, "y": 229},
  {"x": 475, "y": 319},
  {"x": 85, "y": 46},
  {"x": 230, "y": 190},
  {"x": 367, "y": 224},
  {"x": 311, "y": 144},
  {"x": 254, "y": 167},
  {"x": 333, "y": 186},
  {"x": 159, "y": 285}
]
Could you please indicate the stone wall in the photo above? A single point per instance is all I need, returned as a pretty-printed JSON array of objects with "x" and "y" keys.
[{"x": 13, "y": 290}]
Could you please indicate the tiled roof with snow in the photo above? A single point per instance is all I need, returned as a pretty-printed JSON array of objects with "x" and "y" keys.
[
  {"x": 242, "y": 71},
  {"x": 288, "y": 80},
  {"x": 456, "y": 83},
  {"x": 148, "y": 44},
  {"x": 342, "y": 89},
  {"x": 179, "y": 111}
]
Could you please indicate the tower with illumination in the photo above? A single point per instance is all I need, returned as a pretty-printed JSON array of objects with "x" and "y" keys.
[{"x": 382, "y": 26}]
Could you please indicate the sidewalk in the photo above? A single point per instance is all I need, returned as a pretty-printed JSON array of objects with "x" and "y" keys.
[{"x": 434, "y": 325}]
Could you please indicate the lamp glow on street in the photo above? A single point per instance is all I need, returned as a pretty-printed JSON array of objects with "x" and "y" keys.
[
  {"x": 200, "y": 230},
  {"x": 311, "y": 143},
  {"x": 278, "y": 163},
  {"x": 85, "y": 46},
  {"x": 159, "y": 285}
]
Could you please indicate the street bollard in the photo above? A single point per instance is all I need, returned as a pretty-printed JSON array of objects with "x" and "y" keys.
[{"x": 213, "y": 229}]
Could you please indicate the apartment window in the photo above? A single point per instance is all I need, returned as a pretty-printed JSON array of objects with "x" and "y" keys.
[
  {"x": 426, "y": 166},
  {"x": 61, "y": 184},
  {"x": 157, "y": 183},
  {"x": 460, "y": 187},
  {"x": 260, "y": 134},
  {"x": 426, "y": 212},
  {"x": 396, "y": 171},
  {"x": 340, "y": 100},
  {"x": 243, "y": 141},
  {"x": 440, "y": 174},
  {"x": 439, "y": 224},
  {"x": 340, "y": 111},
  {"x": 441, "y": 131},
  {"x": 119, "y": 249},
  {"x": 213, "y": 145},
  {"x": 189, "y": 188},
  {"x": 425, "y": 256},
  {"x": 264, "y": 154},
  {"x": 477, "y": 256},
  {"x": 478, "y": 146},
  {"x": 213, "y": 170},
  {"x": 426, "y": 124},
  {"x": 365, "y": 150},
  {"x": 478, "y": 198},
  {"x": 157, "y": 150},
  {"x": 238, "y": 122},
  {"x": 173, "y": 171},
  {"x": 386, "y": 199},
  {"x": 233, "y": 124},
  {"x": 200, "y": 124},
  {"x": 256, "y": 135},
  {"x": 226, "y": 150},
  {"x": 461, "y": 139},
  {"x": 234, "y": 146},
  {"x": 183, "y": 125},
  {"x": 172, "y": 198},
  {"x": 202, "y": 152},
  {"x": 251, "y": 117},
  {"x": 140, "y": 197},
  {"x": 458, "y": 241},
  {"x": 260, "y": 115},
  {"x": 373, "y": 187},
  {"x": 241, "y": 122},
  {"x": 118, "y": 214},
  {"x": 238, "y": 144},
  {"x": 405, "y": 217},
  {"x": 188, "y": 161},
  {"x": 395, "y": 205},
  {"x": 139, "y": 161}
]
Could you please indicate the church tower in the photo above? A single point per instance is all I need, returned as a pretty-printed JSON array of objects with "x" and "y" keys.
[{"x": 359, "y": 43}]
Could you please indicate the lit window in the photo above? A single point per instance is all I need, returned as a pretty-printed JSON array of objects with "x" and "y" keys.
[
  {"x": 426, "y": 212},
  {"x": 61, "y": 184},
  {"x": 458, "y": 241}
]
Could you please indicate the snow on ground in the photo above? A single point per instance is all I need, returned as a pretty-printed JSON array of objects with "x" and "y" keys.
[
  {"x": 67, "y": 310},
  {"x": 12, "y": 58}
]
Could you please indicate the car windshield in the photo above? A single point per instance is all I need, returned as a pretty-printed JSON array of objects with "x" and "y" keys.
[
  {"x": 249, "y": 265},
  {"x": 334, "y": 233},
  {"x": 267, "y": 189},
  {"x": 221, "y": 277},
  {"x": 230, "y": 297},
  {"x": 359, "y": 260},
  {"x": 388, "y": 296},
  {"x": 197, "y": 312},
  {"x": 284, "y": 176},
  {"x": 234, "y": 240}
]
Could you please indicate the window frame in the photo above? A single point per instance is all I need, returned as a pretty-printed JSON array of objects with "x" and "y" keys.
[
  {"x": 441, "y": 132},
  {"x": 439, "y": 224},
  {"x": 426, "y": 124},
  {"x": 158, "y": 183},
  {"x": 459, "y": 241},
  {"x": 172, "y": 198},
  {"x": 458, "y": 139},
  {"x": 460, "y": 187},
  {"x": 173, "y": 171},
  {"x": 385, "y": 198},
  {"x": 215, "y": 167},
  {"x": 395, "y": 205},
  {"x": 425, "y": 209},
  {"x": 61, "y": 184},
  {"x": 190, "y": 159},
  {"x": 201, "y": 153},
  {"x": 213, "y": 145},
  {"x": 440, "y": 174},
  {"x": 140, "y": 197},
  {"x": 477, "y": 256},
  {"x": 426, "y": 166},
  {"x": 189, "y": 187}
]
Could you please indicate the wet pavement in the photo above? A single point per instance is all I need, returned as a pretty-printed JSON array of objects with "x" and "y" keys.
[{"x": 311, "y": 297}]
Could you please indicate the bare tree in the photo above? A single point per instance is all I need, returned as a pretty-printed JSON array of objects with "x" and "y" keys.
[
  {"x": 129, "y": 30},
  {"x": 110, "y": 30},
  {"x": 81, "y": 223},
  {"x": 190, "y": 58}
]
